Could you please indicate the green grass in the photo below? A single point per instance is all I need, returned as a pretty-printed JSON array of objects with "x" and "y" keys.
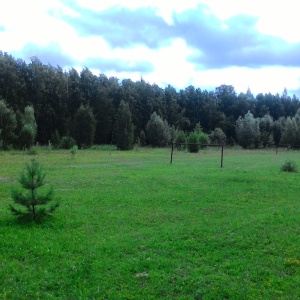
[{"x": 133, "y": 226}]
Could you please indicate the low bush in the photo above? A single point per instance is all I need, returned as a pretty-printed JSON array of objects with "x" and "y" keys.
[
  {"x": 193, "y": 142},
  {"x": 289, "y": 166},
  {"x": 67, "y": 142},
  {"x": 180, "y": 139},
  {"x": 203, "y": 139}
]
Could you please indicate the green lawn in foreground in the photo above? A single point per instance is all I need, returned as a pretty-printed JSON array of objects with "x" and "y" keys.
[{"x": 132, "y": 226}]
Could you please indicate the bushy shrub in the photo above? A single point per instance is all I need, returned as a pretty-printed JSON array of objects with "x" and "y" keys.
[
  {"x": 193, "y": 142},
  {"x": 74, "y": 150},
  {"x": 289, "y": 166},
  {"x": 32, "y": 151},
  {"x": 67, "y": 142},
  {"x": 180, "y": 139},
  {"x": 203, "y": 139},
  {"x": 217, "y": 136}
]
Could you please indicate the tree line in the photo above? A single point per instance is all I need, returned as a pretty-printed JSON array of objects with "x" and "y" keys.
[{"x": 42, "y": 103}]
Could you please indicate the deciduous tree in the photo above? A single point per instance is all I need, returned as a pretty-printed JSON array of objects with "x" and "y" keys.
[{"x": 247, "y": 131}]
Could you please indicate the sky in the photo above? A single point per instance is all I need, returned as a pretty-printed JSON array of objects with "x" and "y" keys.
[{"x": 205, "y": 43}]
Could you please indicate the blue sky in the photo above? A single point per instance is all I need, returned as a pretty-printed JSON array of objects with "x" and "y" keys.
[{"x": 248, "y": 44}]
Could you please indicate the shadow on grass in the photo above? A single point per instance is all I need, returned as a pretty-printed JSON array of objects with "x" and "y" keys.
[{"x": 26, "y": 221}]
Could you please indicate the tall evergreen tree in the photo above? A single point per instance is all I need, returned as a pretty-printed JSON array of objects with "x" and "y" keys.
[
  {"x": 158, "y": 135},
  {"x": 84, "y": 126},
  {"x": 124, "y": 130},
  {"x": 8, "y": 124}
]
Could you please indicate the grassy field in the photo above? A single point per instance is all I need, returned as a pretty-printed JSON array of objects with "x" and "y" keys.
[{"x": 133, "y": 226}]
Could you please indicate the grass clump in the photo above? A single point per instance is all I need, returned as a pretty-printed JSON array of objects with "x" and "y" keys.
[
  {"x": 32, "y": 151},
  {"x": 289, "y": 166},
  {"x": 74, "y": 150},
  {"x": 108, "y": 148}
]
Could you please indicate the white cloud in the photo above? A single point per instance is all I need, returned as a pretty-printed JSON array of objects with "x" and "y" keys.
[
  {"x": 33, "y": 23},
  {"x": 164, "y": 8},
  {"x": 170, "y": 62},
  {"x": 265, "y": 80},
  {"x": 276, "y": 18}
]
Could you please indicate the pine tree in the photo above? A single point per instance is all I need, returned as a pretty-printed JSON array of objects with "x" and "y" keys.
[
  {"x": 8, "y": 124},
  {"x": 193, "y": 142},
  {"x": 36, "y": 205},
  {"x": 85, "y": 126},
  {"x": 158, "y": 131},
  {"x": 124, "y": 127}
]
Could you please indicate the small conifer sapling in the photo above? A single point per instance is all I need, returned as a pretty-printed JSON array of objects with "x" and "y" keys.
[{"x": 30, "y": 202}]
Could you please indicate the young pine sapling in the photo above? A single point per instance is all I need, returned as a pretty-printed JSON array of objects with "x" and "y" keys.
[{"x": 35, "y": 205}]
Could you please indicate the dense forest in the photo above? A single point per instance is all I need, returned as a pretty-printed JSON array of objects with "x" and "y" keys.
[{"x": 42, "y": 103}]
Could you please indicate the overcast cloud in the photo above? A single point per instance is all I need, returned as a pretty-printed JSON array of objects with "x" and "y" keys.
[{"x": 198, "y": 42}]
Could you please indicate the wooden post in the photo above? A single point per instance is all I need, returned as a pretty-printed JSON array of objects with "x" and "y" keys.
[
  {"x": 172, "y": 153},
  {"x": 222, "y": 152}
]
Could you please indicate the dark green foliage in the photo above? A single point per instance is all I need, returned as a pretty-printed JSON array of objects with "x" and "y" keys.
[
  {"x": 55, "y": 139},
  {"x": 8, "y": 124},
  {"x": 247, "y": 131},
  {"x": 31, "y": 203},
  {"x": 180, "y": 139},
  {"x": 289, "y": 166},
  {"x": 193, "y": 142},
  {"x": 32, "y": 151},
  {"x": 277, "y": 129},
  {"x": 158, "y": 131},
  {"x": 56, "y": 97},
  {"x": 124, "y": 128},
  {"x": 291, "y": 131},
  {"x": 85, "y": 126},
  {"x": 66, "y": 142},
  {"x": 27, "y": 134},
  {"x": 203, "y": 139},
  {"x": 266, "y": 130},
  {"x": 218, "y": 137},
  {"x": 142, "y": 138}
]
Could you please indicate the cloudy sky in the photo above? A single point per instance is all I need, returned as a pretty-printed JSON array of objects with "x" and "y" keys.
[{"x": 205, "y": 43}]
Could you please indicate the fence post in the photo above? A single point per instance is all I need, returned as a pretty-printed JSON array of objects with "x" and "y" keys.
[
  {"x": 222, "y": 152},
  {"x": 172, "y": 153}
]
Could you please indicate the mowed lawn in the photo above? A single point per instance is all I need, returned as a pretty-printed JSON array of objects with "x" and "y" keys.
[{"x": 133, "y": 226}]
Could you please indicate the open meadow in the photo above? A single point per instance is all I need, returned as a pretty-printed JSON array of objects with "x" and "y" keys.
[{"x": 133, "y": 226}]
